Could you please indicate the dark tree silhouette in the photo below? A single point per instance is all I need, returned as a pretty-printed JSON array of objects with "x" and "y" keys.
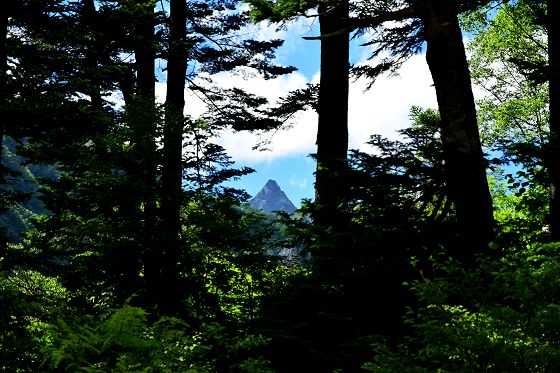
[
  {"x": 331, "y": 183},
  {"x": 553, "y": 14},
  {"x": 465, "y": 168}
]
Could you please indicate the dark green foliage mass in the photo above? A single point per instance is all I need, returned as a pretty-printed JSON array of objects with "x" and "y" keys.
[
  {"x": 23, "y": 182},
  {"x": 124, "y": 250}
]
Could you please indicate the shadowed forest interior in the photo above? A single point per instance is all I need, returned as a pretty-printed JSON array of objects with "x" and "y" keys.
[{"x": 123, "y": 247}]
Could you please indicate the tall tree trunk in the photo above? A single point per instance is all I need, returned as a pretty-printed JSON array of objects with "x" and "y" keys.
[
  {"x": 3, "y": 79},
  {"x": 171, "y": 191},
  {"x": 553, "y": 9},
  {"x": 466, "y": 174},
  {"x": 332, "y": 133},
  {"x": 126, "y": 256},
  {"x": 143, "y": 118},
  {"x": 89, "y": 16},
  {"x": 3, "y": 103}
]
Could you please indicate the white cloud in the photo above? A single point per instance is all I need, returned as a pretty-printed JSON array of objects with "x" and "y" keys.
[
  {"x": 291, "y": 32},
  {"x": 194, "y": 106},
  {"x": 271, "y": 89},
  {"x": 385, "y": 108},
  {"x": 299, "y": 139},
  {"x": 297, "y": 182},
  {"x": 381, "y": 110}
]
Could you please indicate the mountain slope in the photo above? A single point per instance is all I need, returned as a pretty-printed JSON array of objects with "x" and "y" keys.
[
  {"x": 23, "y": 188},
  {"x": 272, "y": 198}
]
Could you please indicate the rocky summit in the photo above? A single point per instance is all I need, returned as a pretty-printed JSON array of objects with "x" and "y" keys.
[{"x": 272, "y": 198}]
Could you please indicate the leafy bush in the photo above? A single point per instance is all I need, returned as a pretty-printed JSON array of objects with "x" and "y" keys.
[
  {"x": 126, "y": 341},
  {"x": 30, "y": 302},
  {"x": 513, "y": 325}
]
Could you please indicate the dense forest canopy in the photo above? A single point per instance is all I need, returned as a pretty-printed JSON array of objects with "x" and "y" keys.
[{"x": 124, "y": 250}]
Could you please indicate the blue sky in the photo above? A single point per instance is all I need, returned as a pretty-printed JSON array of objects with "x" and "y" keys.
[
  {"x": 381, "y": 110},
  {"x": 293, "y": 172}
]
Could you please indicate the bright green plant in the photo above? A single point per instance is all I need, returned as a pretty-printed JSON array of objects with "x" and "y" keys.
[
  {"x": 501, "y": 316},
  {"x": 30, "y": 302},
  {"x": 126, "y": 341}
]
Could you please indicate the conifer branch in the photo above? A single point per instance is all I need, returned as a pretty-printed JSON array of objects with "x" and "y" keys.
[{"x": 374, "y": 21}]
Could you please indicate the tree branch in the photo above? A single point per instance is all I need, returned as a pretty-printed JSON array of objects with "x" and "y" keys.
[
  {"x": 397, "y": 15},
  {"x": 354, "y": 23}
]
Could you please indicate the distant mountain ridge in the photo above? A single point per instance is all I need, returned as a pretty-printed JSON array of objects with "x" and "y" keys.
[
  {"x": 17, "y": 218},
  {"x": 271, "y": 198}
]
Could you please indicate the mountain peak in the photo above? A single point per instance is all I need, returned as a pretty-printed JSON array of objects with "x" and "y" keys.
[
  {"x": 272, "y": 184},
  {"x": 271, "y": 198}
]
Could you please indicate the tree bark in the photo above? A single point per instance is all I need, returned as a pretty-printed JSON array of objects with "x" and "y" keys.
[
  {"x": 3, "y": 109},
  {"x": 171, "y": 190},
  {"x": 553, "y": 9},
  {"x": 3, "y": 79},
  {"x": 89, "y": 16},
  {"x": 332, "y": 133},
  {"x": 465, "y": 168},
  {"x": 143, "y": 121}
]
